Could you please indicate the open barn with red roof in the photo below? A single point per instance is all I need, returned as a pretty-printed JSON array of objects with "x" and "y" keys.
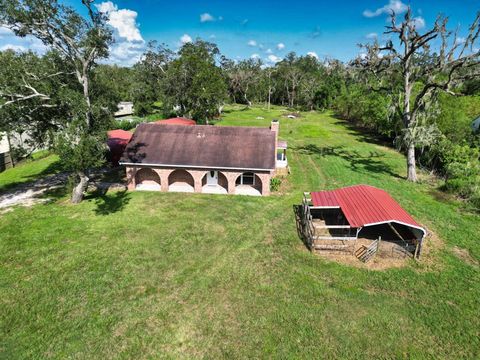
[{"x": 336, "y": 219}]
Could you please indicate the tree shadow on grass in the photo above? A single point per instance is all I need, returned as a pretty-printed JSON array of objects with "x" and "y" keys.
[
  {"x": 109, "y": 203},
  {"x": 362, "y": 134},
  {"x": 244, "y": 108},
  {"x": 53, "y": 168},
  {"x": 372, "y": 163}
]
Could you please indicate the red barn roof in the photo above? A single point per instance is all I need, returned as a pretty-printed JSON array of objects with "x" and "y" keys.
[
  {"x": 177, "y": 121},
  {"x": 365, "y": 205},
  {"x": 119, "y": 136},
  {"x": 117, "y": 140}
]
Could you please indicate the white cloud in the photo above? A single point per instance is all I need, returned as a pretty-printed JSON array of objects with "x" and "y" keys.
[
  {"x": 460, "y": 40},
  {"x": 372, "y": 35},
  {"x": 394, "y": 5},
  {"x": 273, "y": 58},
  {"x": 123, "y": 20},
  {"x": 269, "y": 51},
  {"x": 206, "y": 17},
  {"x": 312, "y": 54},
  {"x": 280, "y": 46},
  {"x": 255, "y": 56},
  {"x": 213, "y": 36},
  {"x": 106, "y": 7},
  {"x": 126, "y": 53},
  {"x": 12, "y": 42},
  {"x": 252, "y": 43},
  {"x": 419, "y": 22},
  {"x": 13, "y": 47},
  {"x": 129, "y": 44},
  {"x": 5, "y": 32},
  {"x": 186, "y": 39},
  {"x": 35, "y": 45}
]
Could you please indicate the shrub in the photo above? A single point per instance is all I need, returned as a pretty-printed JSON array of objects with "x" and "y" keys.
[
  {"x": 462, "y": 168},
  {"x": 128, "y": 124},
  {"x": 275, "y": 184}
]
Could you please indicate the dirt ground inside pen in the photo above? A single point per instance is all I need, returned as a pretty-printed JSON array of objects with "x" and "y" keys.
[{"x": 389, "y": 255}]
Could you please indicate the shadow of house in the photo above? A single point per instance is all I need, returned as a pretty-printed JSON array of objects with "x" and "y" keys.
[{"x": 372, "y": 163}]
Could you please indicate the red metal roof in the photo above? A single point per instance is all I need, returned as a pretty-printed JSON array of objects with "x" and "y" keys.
[
  {"x": 117, "y": 140},
  {"x": 121, "y": 136},
  {"x": 177, "y": 121},
  {"x": 364, "y": 205},
  {"x": 324, "y": 198}
]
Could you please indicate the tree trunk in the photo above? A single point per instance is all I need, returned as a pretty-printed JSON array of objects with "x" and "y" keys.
[
  {"x": 411, "y": 167},
  {"x": 79, "y": 189},
  {"x": 86, "y": 95},
  {"x": 249, "y": 103},
  {"x": 408, "y": 121}
]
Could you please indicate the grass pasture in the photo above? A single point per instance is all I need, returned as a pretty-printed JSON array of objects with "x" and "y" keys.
[
  {"x": 41, "y": 164},
  {"x": 164, "y": 275}
]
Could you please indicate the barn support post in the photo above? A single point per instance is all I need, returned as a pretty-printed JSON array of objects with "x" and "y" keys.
[
  {"x": 418, "y": 248},
  {"x": 356, "y": 239}
]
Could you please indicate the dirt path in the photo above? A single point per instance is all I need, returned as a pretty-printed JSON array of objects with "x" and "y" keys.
[{"x": 31, "y": 193}]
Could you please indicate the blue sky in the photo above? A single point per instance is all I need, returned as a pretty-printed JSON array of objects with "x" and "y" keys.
[{"x": 264, "y": 29}]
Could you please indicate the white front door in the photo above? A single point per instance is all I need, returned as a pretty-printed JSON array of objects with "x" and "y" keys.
[{"x": 212, "y": 178}]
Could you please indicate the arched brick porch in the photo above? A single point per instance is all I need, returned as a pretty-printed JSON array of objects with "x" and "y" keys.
[
  {"x": 147, "y": 179},
  {"x": 181, "y": 180},
  {"x": 228, "y": 181}
]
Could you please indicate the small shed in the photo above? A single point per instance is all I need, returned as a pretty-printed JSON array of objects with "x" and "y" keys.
[
  {"x": 364, "y": 211},
  {"x": 124, "y": 108}
]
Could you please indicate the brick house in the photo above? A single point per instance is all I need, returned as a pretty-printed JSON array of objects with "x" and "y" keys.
[{"x": 203, "y": 159}]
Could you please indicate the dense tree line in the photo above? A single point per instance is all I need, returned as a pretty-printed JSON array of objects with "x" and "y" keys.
[{"x": 420, "y": 100}]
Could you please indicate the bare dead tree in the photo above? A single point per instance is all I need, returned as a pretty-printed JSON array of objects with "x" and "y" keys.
[
  {"x": 435, "y": 60},
  {"x": 268, "y": 72},
  {"x": 293, "y": 79}
]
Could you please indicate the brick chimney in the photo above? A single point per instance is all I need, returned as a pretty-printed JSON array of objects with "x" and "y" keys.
[{"x": 275, "y": 127}]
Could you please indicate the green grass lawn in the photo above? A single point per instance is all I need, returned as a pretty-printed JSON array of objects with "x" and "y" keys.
[
  {"x": 149, "y": 275},
  {"x": 41, "y": 164}
]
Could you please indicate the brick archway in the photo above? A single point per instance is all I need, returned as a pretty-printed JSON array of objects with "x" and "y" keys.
[
  {"x": 248, "y": 183},
  {"x": 220, "y": 186},
  {"x": 181, "y": 180},
  {"x": 147, "y": 179}
]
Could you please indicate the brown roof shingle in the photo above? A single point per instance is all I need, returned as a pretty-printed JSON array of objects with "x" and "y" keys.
[{"x": 202, "y": 146}]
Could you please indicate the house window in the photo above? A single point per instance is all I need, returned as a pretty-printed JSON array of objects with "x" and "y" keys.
[{"x": 247, "y": 178}]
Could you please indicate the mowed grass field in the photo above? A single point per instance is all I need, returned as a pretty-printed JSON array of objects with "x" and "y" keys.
[{"x": 156, "y": 275}]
